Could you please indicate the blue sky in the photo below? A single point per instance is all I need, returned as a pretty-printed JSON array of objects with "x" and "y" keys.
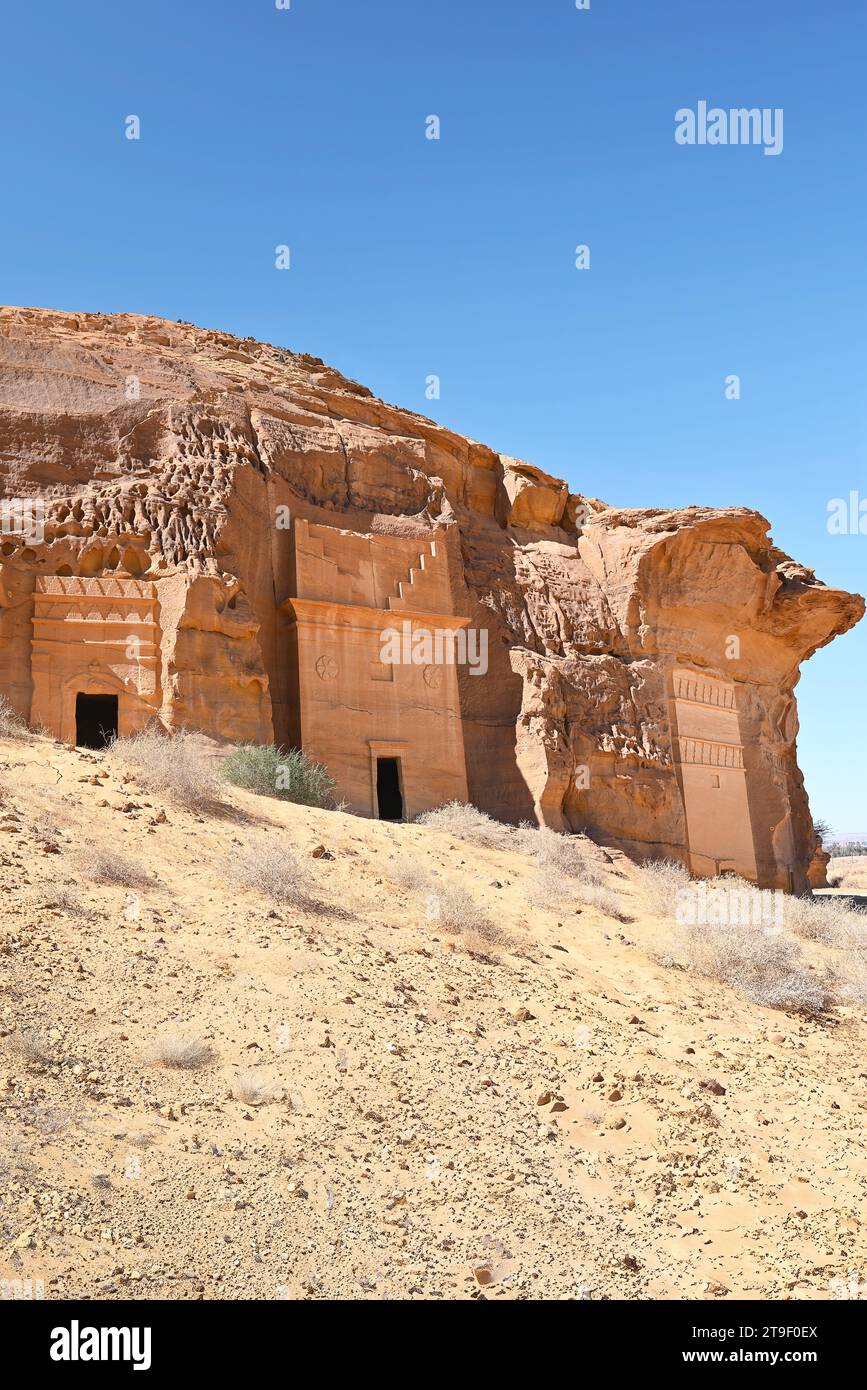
[{"x": 456, "y": 257}]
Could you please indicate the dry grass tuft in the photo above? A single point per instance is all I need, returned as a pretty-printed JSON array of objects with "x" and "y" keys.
[
  {"x": 551, "y": 890},
  {"x": 31, "y": 1045},
  {"x": 266, "y": 864},
  {"x": 452, "y": 908},
  {"x": 171, "y": 765},
  {"x": 571, "y": 856},
  {"x": 11, "y": 723},
  {"x": 604, "y": 899},
  {"x": 763, "y": 964},
  {"x": 108, "y": 866},
  {"x": 730, "y": 930},
  {"x": 409, "y": 873},
  {"x": 833, "y": 921},
  {"x": 252, "y": 1089},
  {"x": 660, "y": 881},
  {"x": 66, "y": 900},
  {"x": 465, "y": 822},
  {"x": 182, "y": 1053}
]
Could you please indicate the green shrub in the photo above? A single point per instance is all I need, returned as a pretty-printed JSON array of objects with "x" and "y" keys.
[{"x": 272, "y": 771}]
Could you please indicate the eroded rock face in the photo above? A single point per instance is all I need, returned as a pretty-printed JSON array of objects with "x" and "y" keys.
[{"x": 218, "y": 533}]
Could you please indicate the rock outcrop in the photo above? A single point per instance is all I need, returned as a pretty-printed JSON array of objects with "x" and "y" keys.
[{"x": 223, "y": 534}]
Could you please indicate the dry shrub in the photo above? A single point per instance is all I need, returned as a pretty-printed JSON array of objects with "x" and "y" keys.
[
  {"x": 830, "y": 920},
  {"x": 180, "y": 1052},
  {"x": 605, "y": 900},
  {"x": 842, "y": 930},
  {"x": 172, "y": 765},
  {"x": 553, "y": 891},
  {"x": 32, "y": 1046},
  {"x": 571, "y": 856},
  {"x": 11, "y": 723},
  {"x": 729, "y": 930},
  {"x": 108, "y": 866},
  {"x": 252, "y": 1089},
  {"x": 465, "y": 822},
  {"x": 660, "y": 881},
  {"x": 452, "y": 908},
  {"x": 66, "y": 900},
  {"x": 764, "y": 964},
  {"x": 266, "y": 864},
  {"x": 409, "y": 873}
]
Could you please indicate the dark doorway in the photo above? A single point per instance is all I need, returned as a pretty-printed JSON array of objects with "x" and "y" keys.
[
  {"x": 389, "y": 797},
  {"x": 95, "y": 720}
]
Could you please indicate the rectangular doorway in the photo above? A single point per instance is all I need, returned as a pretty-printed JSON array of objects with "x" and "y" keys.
[
  {"x": 95, "y": 720},
  {"x": 389, "y": 793}
]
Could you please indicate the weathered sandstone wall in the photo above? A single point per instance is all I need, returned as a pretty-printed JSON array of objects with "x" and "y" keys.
[{"x": 224, "y": 528}]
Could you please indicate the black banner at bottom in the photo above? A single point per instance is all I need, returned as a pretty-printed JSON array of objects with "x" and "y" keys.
[{"x": 156, "y": 1338}]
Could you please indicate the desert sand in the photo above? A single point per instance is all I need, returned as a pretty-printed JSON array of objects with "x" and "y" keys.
[{"x": 557, "y": 1115}]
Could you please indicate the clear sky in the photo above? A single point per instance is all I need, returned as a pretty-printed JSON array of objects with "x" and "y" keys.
[{"x": 456, "y": 257}]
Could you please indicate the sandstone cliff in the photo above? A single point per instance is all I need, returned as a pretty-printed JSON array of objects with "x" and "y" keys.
[{"x": 640, "y": 661}]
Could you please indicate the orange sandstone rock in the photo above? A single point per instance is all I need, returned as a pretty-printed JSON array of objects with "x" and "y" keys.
[{"x": 226, "y": 535}]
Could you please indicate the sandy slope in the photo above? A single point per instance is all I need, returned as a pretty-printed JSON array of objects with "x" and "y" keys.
[
  {"x": 848, "y": 873},
  {"x": 435, "y": 1113}
]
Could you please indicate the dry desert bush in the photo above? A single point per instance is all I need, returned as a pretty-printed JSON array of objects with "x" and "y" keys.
[
  {"x": 465, "y": 822},
  {"x": 11, "y": 723},
  {"x": 252, "y": 1089},
  {"x": 727, "y": 929},
  {"x": 66, "y": 899},
  {"x": 180, "y": 1052},
  {"x": 566, "y": 870},
  {"x": 171, "y": 765},
  {"x": 606, "y": 900},
  {"x": 104, "y": 865},
  {"x": 764, "y": 964},
  {"x": 450, "y": 906},
  {"x": 833, "y": 921},
  {"x": 660, "y": 881},
  {"x": 571, "y": 855},
  {"x": 553, "y": 891},
  {"x": 410, "y": 873},
  {"x": 266, "y": 864},
  {"x": 31, "y": 1045},
  {"x": 842, "y": 930}
]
